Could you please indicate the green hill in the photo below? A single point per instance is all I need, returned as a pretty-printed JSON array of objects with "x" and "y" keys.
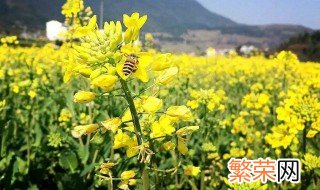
[
  {"x": 180, "y": 25},
  {"x": 173, "y": 16}
]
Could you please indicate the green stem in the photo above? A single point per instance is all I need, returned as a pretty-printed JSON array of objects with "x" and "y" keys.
[
  {"x": 145, "y": 178},
  {"x": 110, "y": 184},
  {"x": 112, "y": 150},
  {"x": 175, "y": 158},
  {"x": 93, "y": 161},
  {"x": 304, "y": 140},
  {"x": 306, "y": 178},
  {"x": 133, "y": 111},
  {"x": 193, "y": 186},
  {"x": 29, "y": 135},
  {"x": 202, "y": 182},
  {"x": 137, "y": 129},
  {"x": 154, "y": 164}
]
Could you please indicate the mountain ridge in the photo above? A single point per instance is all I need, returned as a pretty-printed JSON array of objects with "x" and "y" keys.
[
  {"x": 173, "y": 16},
  {"x": 183, "y": 14},
  {"x": 181, "y": 19}
]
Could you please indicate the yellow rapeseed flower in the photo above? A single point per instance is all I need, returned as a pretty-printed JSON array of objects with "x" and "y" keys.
[
  {"x": 144, "y": 59},
  {"x": 121, "y": 139},
  {"x": 80, "y": 130},
  {"x": 162, "y": 128},
  {"x": 187, "y": 130},
  {"x": 169, "y": 145},
  {"x": 85, "y": 30},
  {"x": 152, "y": 104},
  {"x": 105, "y": 167},
  {"x": 2, "y": 104},
  {"x": 311, "y": 133},
  {"x": 128, "y": 174},
  {"x": 311, "y": 161},
  {"x": 191, "y": 170},
  {"x": 112, "y": 124},
  {"x": 179, "y": 112},
  {"x": 167, "y": 76},
  {"x": 32, "y": 94},
  {"x": 106, "y": 82},
  {"x": 127, "y": 179},
  {"x": 133, "y": 23},
  {"x": 161, "y": 62},
  {"x": 84, "y": 97}
]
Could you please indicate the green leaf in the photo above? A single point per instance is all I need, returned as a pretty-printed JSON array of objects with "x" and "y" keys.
[
  {"x": 87, "y": 169},
  {"x": 68, "y": 160},
  {"x": 33, "y": 187},
  {"x": 97, "y": 138},
  {"x": 70, "y": 140},
  {"x": 310, "y": 187},
  {"x": 38, "y": 136},
  {"x": 317, "y": 171},
  {"x": 83, "y": 153},
  {"x": 4, "y": 139},
  {"x": 20, "y": 167}
]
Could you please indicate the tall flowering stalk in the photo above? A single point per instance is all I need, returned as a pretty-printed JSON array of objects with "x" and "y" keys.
[{"x": 103, "y": 56}]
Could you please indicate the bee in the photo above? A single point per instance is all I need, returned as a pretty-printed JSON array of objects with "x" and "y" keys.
[{"x": 130, "y": 65}]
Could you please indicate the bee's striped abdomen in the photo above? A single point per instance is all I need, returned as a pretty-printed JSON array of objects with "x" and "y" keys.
[
  {"x": 130, "y": 65},
  {"x": 128, "y": 68}
]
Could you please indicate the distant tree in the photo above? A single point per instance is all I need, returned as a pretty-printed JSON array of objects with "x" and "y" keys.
[{"x": 306, "y": 46}]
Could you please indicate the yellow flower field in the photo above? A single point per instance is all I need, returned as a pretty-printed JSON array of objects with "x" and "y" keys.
[{"x": 72, "y": 115}]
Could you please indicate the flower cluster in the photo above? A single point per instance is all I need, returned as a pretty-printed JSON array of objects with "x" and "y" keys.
[
  {"x": 145, "y": 127},
  {"x": 213, "y": 100},
  {"x": 9, "y": 40}
]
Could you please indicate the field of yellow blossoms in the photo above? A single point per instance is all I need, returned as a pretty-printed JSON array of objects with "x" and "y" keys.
[{"x": 71, "y": 118}]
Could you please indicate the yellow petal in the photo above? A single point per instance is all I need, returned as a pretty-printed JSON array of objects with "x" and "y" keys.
[
  {"x": 135, "y": 15},
  {"x": 152, "y": 104},
  {"x": 132, "y": 151},
  {"x": 167, "y": 76},
  {"x": 121, "y": 140},
  {"x": 191, "y": 170},
  {"x": 126, "y": 20},
  {"x": 112, "y": 124},
  {"x": 80, "y": 130},
  {"x": 92, "y": 22},
  {"x": 311, "y": 133},
  {"x": 169, "y": 146},
  {"x": 181, "y": 112},
  {"x": 128, "y": 174},
  {"x": 182, "y": 147},
  {"x": 187, "y": 130},
  {"x": 84, "y": 97},
  {"x": 142, "y": 20},
  {"x": 106, "y": 82}
]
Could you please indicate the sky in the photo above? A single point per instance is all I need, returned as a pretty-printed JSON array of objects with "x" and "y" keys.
[{"x": 302, "y": 12}]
